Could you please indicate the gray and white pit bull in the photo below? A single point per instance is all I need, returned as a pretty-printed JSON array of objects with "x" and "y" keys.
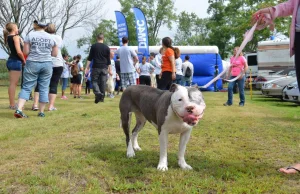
[{"x": 175, "y": 111}]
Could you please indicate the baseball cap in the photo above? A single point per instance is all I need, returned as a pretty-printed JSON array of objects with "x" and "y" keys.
[{"x": 41, "y": 23}]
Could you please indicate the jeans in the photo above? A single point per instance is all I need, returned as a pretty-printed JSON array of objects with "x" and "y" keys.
[
  {"x": 178, "y": 79},
  {"x": 56, "y": 73},
  {"x": 297, "y": 57},
  {"x": 186, "y": 81},
  {"x": 40, "y": 73},
  {"x": 99, "y": 79},
  {"x": 64, "y": 83},
  {"x": 241, "y": 84}
]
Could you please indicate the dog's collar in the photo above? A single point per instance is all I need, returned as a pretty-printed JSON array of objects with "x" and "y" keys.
[{"x": 176, "y": 113}]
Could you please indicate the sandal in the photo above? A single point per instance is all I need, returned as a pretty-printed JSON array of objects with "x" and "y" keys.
[
  {"x": 41, "y": 114},
  {"x": 284, "y": 170},
  {"x": 12, "y": 107},
  {"x": 35, "y": 108}
]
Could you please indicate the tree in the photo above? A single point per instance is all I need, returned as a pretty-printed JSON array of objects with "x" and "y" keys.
[
  {"x": 20, "y": 12},
  {"x": 65, "y": 14},
  {"x": 64, "y": 51},
  {"x": 191, "y": 30},
  {"x": 230, "y": 20},
  {"x": 157, "y": 13},
  {"x": 107, "y": 27}
]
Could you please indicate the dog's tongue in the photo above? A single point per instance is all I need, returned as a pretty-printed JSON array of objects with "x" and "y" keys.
[{"x": 190, "y": 119}]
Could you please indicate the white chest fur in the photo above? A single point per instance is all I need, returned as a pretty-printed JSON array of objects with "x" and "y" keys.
[{"x": 173, "y": 124}]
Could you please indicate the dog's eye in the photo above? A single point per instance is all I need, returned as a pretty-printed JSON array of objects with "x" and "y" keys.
[{"x": 180, "y": 99}]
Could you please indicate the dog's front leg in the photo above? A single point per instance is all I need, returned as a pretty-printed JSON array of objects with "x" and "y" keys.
[
  {"x": 184, "y": 138},
  {"x": 163, "y": 158}
]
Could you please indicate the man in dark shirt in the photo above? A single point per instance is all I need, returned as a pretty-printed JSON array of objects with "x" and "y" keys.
[
  {"x": 118, "y": 71},
  {"x": 100, "y": 54}
]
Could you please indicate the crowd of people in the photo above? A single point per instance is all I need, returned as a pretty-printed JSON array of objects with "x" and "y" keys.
[{"x": 46, "y": 66}]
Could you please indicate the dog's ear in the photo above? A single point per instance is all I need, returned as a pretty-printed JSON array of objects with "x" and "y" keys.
[{"x": 173, "y": 88}]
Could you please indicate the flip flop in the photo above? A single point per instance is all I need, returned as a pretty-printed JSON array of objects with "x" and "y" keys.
[{"x": 290, "y": 168}]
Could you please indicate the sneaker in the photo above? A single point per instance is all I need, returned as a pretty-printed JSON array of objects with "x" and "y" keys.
[
  {"x": 35, "y": 108},
  {"x": 41, "y": 114},
  {"x": 98, "y": 98},
  {"x": 79, "y": 97},
  {"x": 241, "y": 104},
  {"x": 226, "y": 104},
  {"x": 64, "y": 98},
  {"x": 74, "y": 96},
  {"x": 52, "y": 109},
  {"x": 20, "y": 114},
  {"x": 111, "y": 96}
]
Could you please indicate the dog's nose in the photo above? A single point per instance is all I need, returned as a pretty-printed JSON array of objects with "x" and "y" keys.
[{"x": 190, "y": 108}]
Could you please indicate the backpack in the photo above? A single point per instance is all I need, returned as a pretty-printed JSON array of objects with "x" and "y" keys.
[
  {"x": 188, "y": 72},
  {"x": 74, "y": 70}
]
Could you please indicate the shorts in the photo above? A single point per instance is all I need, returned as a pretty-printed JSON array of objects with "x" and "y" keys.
[
  {"x": 14, "y": 65},
  {"x": 77, "y": 79},
  {"x": 128, "y": 78}
]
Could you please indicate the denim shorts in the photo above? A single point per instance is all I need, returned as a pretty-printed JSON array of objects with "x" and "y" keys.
[{"x": 14, "y": 65}]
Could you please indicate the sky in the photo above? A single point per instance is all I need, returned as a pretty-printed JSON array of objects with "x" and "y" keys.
[{"x": 199, "y": 7}]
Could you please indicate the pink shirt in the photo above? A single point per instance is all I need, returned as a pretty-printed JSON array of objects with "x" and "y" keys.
[
  {"x": 287, "y": 8},
  {"x": 238, "y": 65}
]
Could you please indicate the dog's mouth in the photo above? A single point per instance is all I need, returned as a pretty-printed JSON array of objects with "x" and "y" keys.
[{"x": 192, "y": 119}]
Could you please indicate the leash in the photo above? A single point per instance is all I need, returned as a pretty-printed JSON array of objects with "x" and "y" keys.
[{"x": 247, "y": 38}]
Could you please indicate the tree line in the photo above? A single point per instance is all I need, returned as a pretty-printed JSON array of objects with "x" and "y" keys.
[{"x": 227, "y": 21}]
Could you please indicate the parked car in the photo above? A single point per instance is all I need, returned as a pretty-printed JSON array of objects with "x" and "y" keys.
[
  {"x": 261, "y": 79},
  {"x": 291, "y": 92},
  {"x": 274, "y": 87}
]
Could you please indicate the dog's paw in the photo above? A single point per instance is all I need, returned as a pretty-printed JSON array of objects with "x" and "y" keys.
[
  {"x": 137, "y": 148},
  {"x": 162, "y": 167},
  {"x": 185, "y": 166},
  {"x": 130, "y": 155}
]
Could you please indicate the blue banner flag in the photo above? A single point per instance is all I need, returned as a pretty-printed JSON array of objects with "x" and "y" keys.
[
  {"x": 122, "y": 26},
  {"x": 141, "y": 31}
]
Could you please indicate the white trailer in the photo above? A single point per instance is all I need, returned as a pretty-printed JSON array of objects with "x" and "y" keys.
[{"x": 274, "y": 55}]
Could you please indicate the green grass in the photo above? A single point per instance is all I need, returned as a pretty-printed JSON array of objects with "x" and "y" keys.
[{"x": 81, "y": 149}]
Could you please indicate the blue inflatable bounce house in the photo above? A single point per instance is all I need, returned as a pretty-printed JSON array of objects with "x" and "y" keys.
[{"x": 204, "y": 59}]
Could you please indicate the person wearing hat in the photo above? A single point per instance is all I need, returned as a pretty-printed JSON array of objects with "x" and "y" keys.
[
  {"x": 57, "y": 69},
  {"x": 39, "y": 46}
]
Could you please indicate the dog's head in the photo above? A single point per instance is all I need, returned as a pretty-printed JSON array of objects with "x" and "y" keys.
[{"x": 187, "y": 103}]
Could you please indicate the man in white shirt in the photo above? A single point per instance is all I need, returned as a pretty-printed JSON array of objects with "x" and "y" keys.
[
  {"x": 187, "y": 71},
  {"x": 127, "y": 60}
]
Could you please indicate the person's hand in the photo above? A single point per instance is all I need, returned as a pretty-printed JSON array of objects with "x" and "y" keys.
[
  {"x": 263, "y": 19},
  {"x": 23, "y": 63},
  {"x": 86, "y": 71},
  {"x": 173, "y": 76}
]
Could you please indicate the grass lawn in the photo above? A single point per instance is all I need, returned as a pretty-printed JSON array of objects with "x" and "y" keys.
[{"x": 81, "y": 149}]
